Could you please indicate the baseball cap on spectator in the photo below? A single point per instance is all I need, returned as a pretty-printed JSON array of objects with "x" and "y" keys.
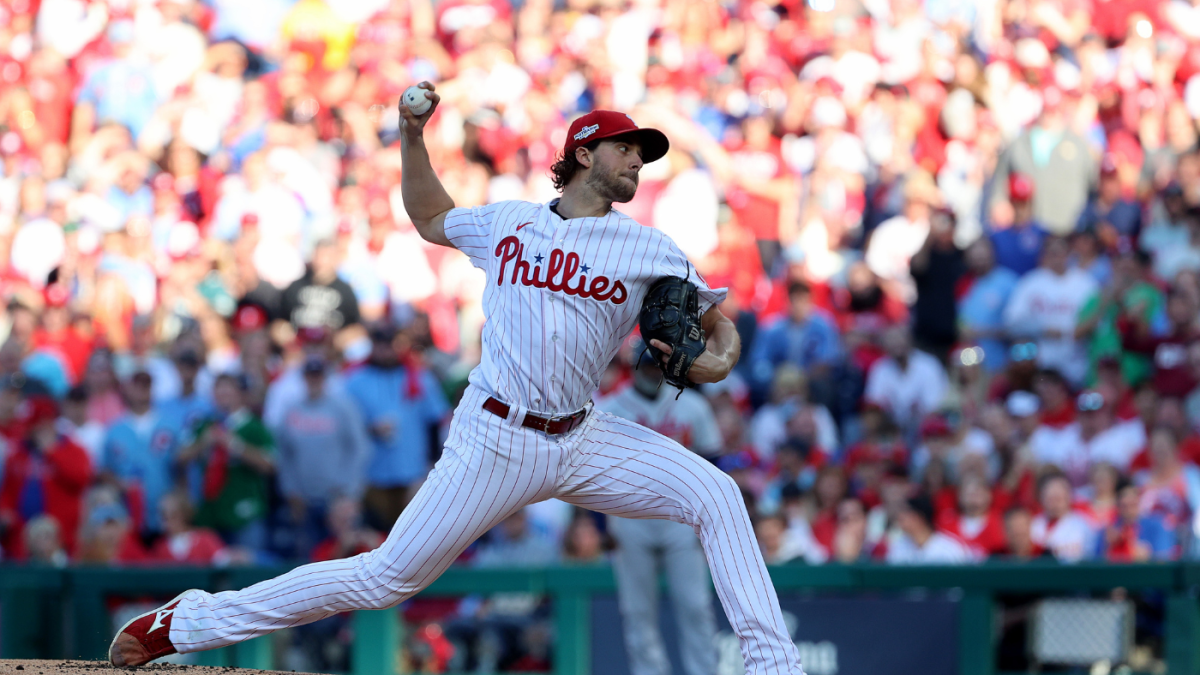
[
  {"x": 935, "y": 426},
  {"x": 312, "y": 335},
  {"x": 189, "y": 358},
  {"x": 1089, "y": 401},
  {"x": 248, "y": 317},
  {"x": 37, "y": 410},
  {"x": 1022, "y": 404},
  {"x": 601, "y": 124},
  {"x": 1020, "y": 187},
  {"x": 314, "y": 365},
  {"x": 383, "y": 332},
  {"x": 1124, "y": 148},
  {"x": 55, "y": 295}
]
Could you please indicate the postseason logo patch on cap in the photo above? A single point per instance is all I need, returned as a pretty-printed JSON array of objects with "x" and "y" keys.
[{"x": 587, "y": 131}]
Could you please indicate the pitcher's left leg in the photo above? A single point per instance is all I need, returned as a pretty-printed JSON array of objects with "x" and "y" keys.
[{"x": 623, "y": 469}]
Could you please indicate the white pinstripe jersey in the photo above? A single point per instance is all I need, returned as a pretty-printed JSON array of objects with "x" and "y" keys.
[{"x": 561, "y": 296}]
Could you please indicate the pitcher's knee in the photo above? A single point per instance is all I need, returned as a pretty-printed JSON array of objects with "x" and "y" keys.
[{"x": 388, "y": 581}]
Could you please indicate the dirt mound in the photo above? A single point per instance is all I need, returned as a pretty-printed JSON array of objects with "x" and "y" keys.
[{"x": 102, "y": 668}]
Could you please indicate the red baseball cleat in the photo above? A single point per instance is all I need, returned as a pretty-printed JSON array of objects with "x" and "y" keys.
[{"x": 145, "y": 638}]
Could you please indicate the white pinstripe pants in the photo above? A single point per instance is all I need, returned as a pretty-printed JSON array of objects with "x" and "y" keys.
[{"x": 490, "y": 468}]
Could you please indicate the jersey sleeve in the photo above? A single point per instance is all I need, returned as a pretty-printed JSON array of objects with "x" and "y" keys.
[
  {"x": 676, "y": 264},
  {"x": 470, "y": 231}
]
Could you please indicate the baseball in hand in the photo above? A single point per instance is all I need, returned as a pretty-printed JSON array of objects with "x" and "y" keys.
[{"x": 414, "y": 98}]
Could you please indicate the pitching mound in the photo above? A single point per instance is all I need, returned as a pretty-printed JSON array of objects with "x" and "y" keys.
[{"x": 101, "y": 668}]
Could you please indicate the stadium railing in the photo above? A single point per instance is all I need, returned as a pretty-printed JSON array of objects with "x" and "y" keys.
[{"x": 47, "y": 612}]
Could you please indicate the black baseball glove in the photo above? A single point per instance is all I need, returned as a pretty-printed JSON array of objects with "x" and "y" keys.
[{"x": 671, "y": 315}]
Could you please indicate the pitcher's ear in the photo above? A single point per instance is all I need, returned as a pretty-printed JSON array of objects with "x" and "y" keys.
[{"x": 584, "y": 157}]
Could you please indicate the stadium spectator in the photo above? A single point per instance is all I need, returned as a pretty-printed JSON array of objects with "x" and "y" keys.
[
  {"x": 323, "y": 454},
  {"x": 1168, "y": 352},
  {"x": 1129, "y": 298},
  {"x": 291, "y": 386},
  {"x": 1045, "y": 306},
  {"x": 234, "y": 454},
  {"x": 1018, "y": 534},
  {"x": 776, "y": 541},
  {"x": 1100, "y": 494},
  {"x": 850, "y": 540},
  {"x": 1116, "y": 220},
  {"x": 1096, "y": 436},
  {"x": 402, "y": 405},
  {"x": 976, "y": 524},
  {"x": 790, "y": 398},
  {"x": 919, "y": 543},
  {"x": 1133, "y": 537},
  {"x": 348, "y": 536},
  {"x": 1169, "y": 489},
  {"x": 981, "y": 304},
  {"x": 1056, "y": 159},
  {"x": 74, "y": 424},
  {"x": 193, "y": 402},
  {"x": 46, "y": 474},
  {"x": 937, "y": 269},
  {"x": 1059, "y": 529},
  {"x": 320, "y": 299},
  {"x": 907, "y": 383},
  {"x": 1017, "y": 237},
  {"x": 43, "y": 542},
  {"x": 180, "y": 542},
  {"x": 139, "y": 452},
  {"x": 108, "y": 536},
  {"x": 583, "y": 542},
  {"x": 806, "y": 338},
  {"x": 893, "y": 244}
]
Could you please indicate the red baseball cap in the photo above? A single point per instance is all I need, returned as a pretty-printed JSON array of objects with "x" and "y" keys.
[
  {"x": 1020, "y": 187},
  {"x": 38, "y": 409},
  {"x": 55, "y": 295},
  {"x": 601, "y": 124}
]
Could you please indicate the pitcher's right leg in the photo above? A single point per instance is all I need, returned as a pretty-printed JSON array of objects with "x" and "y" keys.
[{"x": 488, "y": 471}]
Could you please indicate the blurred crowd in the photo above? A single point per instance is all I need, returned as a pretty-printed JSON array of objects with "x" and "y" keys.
[{"x": 961, "y": 238}]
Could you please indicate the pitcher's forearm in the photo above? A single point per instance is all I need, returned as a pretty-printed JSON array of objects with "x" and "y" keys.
[
  {"x": 723, "y": 339},
  {"x": 726, "y": 343},
  {"x": 424, "y": 196}
]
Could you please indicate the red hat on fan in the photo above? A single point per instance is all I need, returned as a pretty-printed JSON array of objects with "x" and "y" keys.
[
  {"x": 601, "y": 124},
  {"x": 38, "y": 409},
  {"x": 55, "y": 295},
  {"x": 1020, "y": 187},
  {"x": 249, "y": 317}
]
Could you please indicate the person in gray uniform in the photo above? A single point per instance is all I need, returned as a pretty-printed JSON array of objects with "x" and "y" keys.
[{"x": 644, "y": 547}]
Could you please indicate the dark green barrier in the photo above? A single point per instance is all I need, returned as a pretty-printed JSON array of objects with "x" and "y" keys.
[{"x": 31, "y": 599}]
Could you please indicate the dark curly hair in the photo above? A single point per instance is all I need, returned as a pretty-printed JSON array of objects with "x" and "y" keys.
[{"x": 565, "y": 167}]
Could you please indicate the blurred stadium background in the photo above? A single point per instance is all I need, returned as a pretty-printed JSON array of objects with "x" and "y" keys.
[{"x": 961, "y": 237}]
